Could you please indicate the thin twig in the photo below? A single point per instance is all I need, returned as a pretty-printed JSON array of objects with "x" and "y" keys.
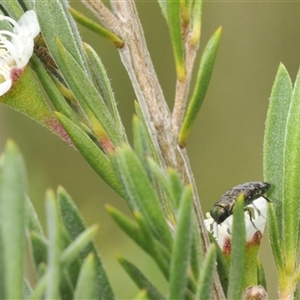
[
  {"x": 182, "y": 87},
  {"x": 137, "y": 61},
  {"x": 103, "y": 13}
]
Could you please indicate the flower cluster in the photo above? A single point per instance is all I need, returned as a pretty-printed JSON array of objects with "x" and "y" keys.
[
  {"x": 16, "y": 48},
  {"x": 255, "y": 221}
]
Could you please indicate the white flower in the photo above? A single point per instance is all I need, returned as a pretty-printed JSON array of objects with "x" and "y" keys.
[
  {"x": 255, "y": 221},
  {"x": 16, "y": 48}
]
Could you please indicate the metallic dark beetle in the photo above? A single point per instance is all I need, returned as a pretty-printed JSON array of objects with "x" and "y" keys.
[{"x": 225, "y": 206}]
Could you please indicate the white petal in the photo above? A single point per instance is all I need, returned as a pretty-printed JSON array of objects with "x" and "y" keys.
[
  {"x": 27, "y": 29},
  {"x": 259, "y": 213},
  {"x": 28, "y": 22},
  {"x": 16, "y": 52},
  {"x": 24, "y": 46}
]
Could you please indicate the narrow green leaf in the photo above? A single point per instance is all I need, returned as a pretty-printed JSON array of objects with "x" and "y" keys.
[
  {"x": 291, "y": 179},
  {"x": 275, "y": 240},
  {"x": 12, "y": 220},
  {"x": 186, "y": 11},
  {"x": 196, "y": 21},
  {"x": 33, "y": 223},
  {"x": 222, "y": 265},
  {"x": 296, "y": 294},
  {"x": 27, "y": 290},
  {"x": 86, "y": 93},
  {"x": 181, "y": 249},
  {"x": 202, "y": 82},
  {"x": 274, "y": 140},
  {"x": 13, "y": 8},
  {"x": 140, "y": 115},
  {"x": 29, "y": 4},
  {"x": 140, "y": 279},
  {"x": 140, "y": 192},
  {"x": 142, "y": 295},
  {"x": 170, "y": 196},
  {"x": 75, "y": 225},
  {"x": 39, "y": 289},
  {"x": 152, "y": 248},
  {"x": 57, "y": 23},
  {"x": 74, "y": 249},
  {"x": 171, "y": 184},
  {"x": 143, "y": 150},
  {"x": 237, "y": 263},
  {"x": 5, "y": 25},
  {"x": 73, "y": 271},
  {"x": 177, "y": 186},
  {"x": 140, "y": 140},
  {"x": 163, "y": 6},
  {"x": 161, "y": 176},
  {"x": 55, "y": 96},
  {"x": 69, "y": 214},
  {"x": 53, "y": 262},
  {"x": 95, "y": 27},
  {"x": 86, "y": 285},
  {"x": 39, "y": 246},
  {"x": 196, "y": 254},
  {"x": 174, "y": 22},
  {"x": 205, "y": 287},
  {"x": 129, "y": 226},
  {"x": 66, "y": 287},
  {"x": 141, "y": 235},
  {"x": 261, "y": 278},
  {"x": 42, "y": 270},
  {"x": 93, "y": 155},
  {"x": 103, "y": 85}
]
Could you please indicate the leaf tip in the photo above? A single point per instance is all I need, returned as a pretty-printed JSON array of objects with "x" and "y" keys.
[{"x": 219, "y": 31}]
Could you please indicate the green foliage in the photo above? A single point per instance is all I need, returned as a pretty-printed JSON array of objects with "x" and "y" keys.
[
  {"x": 13, "y": 8},
  {"x": 93, "y": 26},
  {"x": 281, "y": 168},
  {"x": 203, "y": 79},
  {"x": 237, "y": 265},
  {"x": 181, "y": 248},
  {"x": 141, "y": 193},
  {"x": 86, "y": 285},
  {"x": 140, "y": 279},
  {"x": 222, "y": 265},
  {"x": 86, "y": 93},
  {"x": 76, "y": 229},
  {"x": 12, "y": 222},
  {"x": 57, "y": 24},
  {"x": 66, "y": 251},
  {"x": 102, "y": 83},
  {"x": 275, "y": 137},
  {"x": 154, "y": 176},
  {"x": 89, "y": 150},
  {"x": 206, "y": 281},
  {"x": 174, "y": 22},
  {"x": 67, "y": 263}
]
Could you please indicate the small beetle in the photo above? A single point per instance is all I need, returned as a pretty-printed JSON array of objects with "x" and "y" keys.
[
  {"x": 45, "y": 57},
  {"x": 225, "y": 206}
]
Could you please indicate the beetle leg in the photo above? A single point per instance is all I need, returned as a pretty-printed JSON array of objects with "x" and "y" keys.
[{"x": 248, "y": 210}]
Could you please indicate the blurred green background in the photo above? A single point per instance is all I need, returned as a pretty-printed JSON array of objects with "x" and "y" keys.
[{"x": 226, "y": 143}]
